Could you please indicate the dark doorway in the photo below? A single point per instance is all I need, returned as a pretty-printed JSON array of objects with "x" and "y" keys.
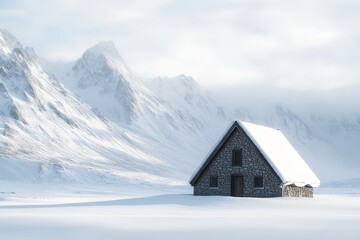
[{"x": 237, "y": 183}]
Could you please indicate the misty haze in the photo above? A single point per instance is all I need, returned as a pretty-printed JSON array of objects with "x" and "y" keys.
[{"x": 108, "y": 111}]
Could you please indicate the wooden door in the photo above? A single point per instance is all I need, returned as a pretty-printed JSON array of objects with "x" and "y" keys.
[{"x": 237, "y": 186}]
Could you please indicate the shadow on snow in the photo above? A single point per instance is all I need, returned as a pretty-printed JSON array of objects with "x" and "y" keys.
[{"x": 166, "y": 199}]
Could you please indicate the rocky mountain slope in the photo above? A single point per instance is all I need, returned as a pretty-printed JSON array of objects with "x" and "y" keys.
[
  {"x": 96, "y": 121},
  {"x": 48, "y": 134}
]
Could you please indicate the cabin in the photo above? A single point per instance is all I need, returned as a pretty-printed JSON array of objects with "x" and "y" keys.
[{"x": 254, "y": 161}]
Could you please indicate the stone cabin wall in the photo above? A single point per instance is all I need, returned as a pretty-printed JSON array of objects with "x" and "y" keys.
[{"x": 253, "y": 164}]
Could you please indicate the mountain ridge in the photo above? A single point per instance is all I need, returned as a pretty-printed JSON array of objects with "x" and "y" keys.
[
  {"x": 52, "y": 131},
  {"x": 116, "y": 127}
]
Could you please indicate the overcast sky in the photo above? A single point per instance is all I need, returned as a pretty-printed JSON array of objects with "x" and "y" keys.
[{"x": 302, "y": 44}]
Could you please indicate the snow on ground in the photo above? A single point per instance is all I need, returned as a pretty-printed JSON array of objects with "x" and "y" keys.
[{"x": 101, "y": 213}]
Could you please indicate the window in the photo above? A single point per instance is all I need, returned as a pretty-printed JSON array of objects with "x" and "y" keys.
[
  {"x": 214, "y": 181},
  {"x": 258, "y": 182},
  {"x": 237, "y": 157}
]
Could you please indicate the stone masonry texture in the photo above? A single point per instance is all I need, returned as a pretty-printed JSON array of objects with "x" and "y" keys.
[
  {"x": 293, "y": 191},
  {"x": 253, "y": 164}
]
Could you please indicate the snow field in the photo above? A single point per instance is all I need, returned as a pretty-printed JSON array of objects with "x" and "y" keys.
[{"x": 180, "y": 216}]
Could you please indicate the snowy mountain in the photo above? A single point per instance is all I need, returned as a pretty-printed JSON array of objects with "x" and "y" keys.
[
  {"x": 102, "y": 80},
  {"x": 95, "y": 121},
  {"x": 48, "y": 134}
]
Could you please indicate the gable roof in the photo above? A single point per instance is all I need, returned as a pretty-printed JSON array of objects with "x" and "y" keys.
[{"x": 275, "y": 148}]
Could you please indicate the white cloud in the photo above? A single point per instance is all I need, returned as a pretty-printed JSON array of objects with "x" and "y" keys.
[{"x": 289, "y": 44}]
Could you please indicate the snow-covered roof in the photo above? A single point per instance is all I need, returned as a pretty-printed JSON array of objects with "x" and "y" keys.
[{"x": 277, "y": 150}]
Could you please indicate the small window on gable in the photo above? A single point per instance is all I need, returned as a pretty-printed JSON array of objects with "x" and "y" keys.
[
  {"x": 237, "y": 157},
  {"x": 258, "y": 182},
  {"x": 214, "y": 181}
]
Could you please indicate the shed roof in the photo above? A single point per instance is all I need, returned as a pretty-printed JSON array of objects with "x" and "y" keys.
[{"x": 276, "y": 149}]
